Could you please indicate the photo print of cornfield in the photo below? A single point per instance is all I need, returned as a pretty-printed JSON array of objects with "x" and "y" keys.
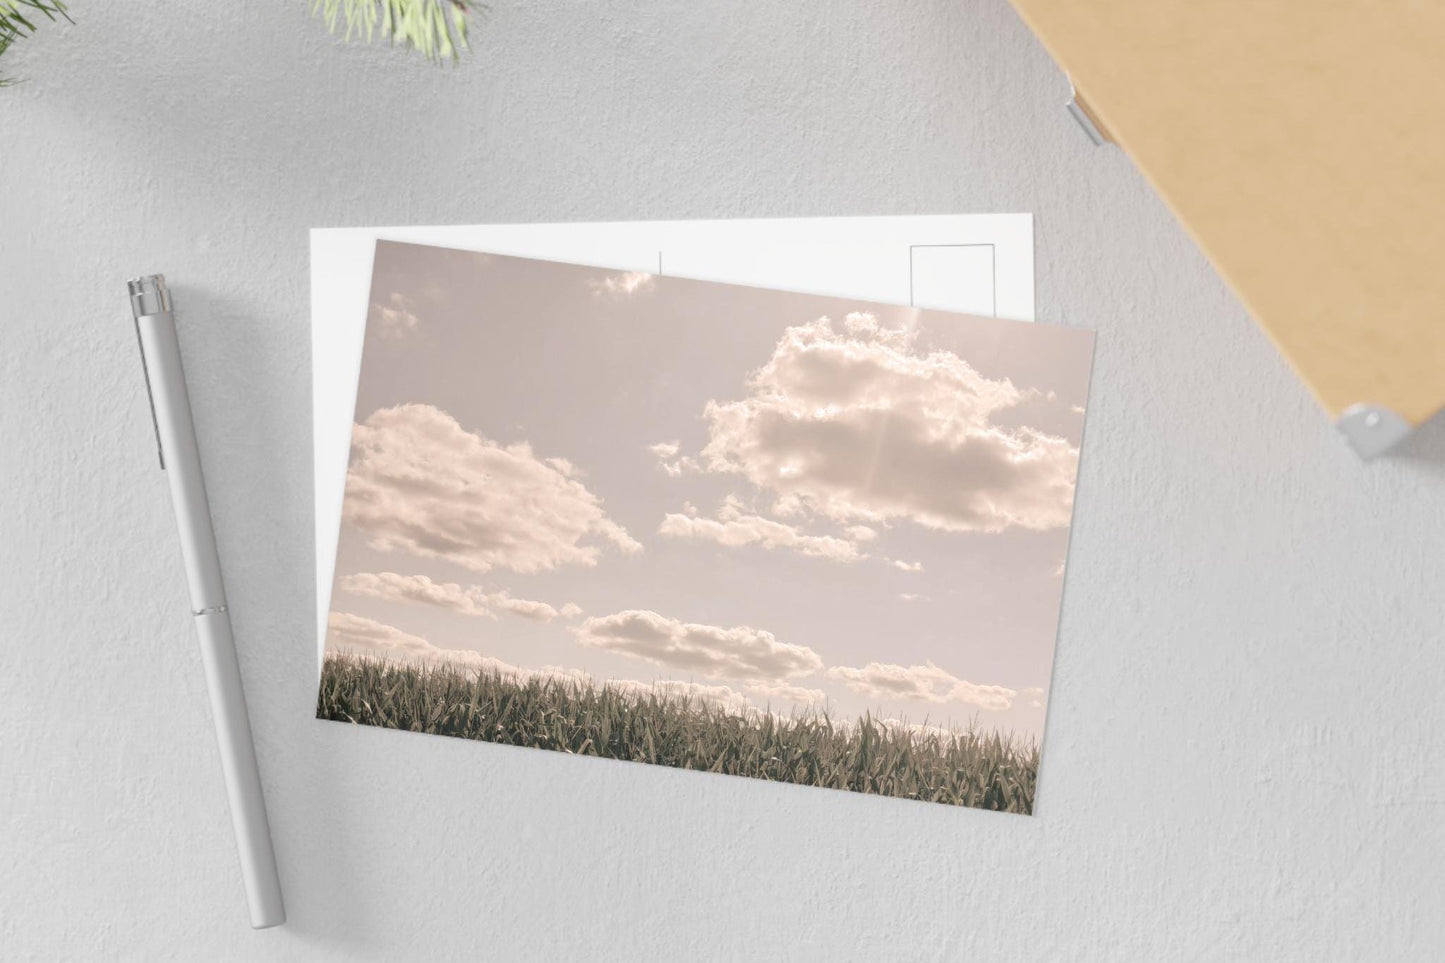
[{"x": 804, "y": 539}]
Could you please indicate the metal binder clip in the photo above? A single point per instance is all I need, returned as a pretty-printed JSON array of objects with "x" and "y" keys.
[
  {"x": 1372, "y": 430},
  {"x": 1085, "y": 120}
]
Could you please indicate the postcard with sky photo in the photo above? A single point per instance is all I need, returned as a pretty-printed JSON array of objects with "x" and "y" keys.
[{"x": 806, "y": 539}]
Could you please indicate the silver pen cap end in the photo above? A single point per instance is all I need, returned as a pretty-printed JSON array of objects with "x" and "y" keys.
[{"x": 148, "y": 295}]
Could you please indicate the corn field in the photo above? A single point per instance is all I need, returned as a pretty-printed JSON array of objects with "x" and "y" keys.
[{"x": 984, "y": 770}]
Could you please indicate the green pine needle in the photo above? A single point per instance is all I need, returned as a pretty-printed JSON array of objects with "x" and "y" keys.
[
  {"x": 436, "y": 28},
  {"x": 421, "y": 25},
  {"x": 14, "y": 24}
]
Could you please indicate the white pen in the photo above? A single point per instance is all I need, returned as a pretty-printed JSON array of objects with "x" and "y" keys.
[{"x": 176, "y": 435}]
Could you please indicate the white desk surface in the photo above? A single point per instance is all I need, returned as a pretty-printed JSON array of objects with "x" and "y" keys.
[{"x": 1246, "y": 740}]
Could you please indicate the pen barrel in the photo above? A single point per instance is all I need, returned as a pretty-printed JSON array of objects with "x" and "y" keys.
[
  {"x": 238, "y": 762},
  {"x": 161, "y": 353}
]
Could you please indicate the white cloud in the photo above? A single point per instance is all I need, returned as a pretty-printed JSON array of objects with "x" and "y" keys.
[
  {"x": 668, "y": 460},
  {"x": 624, "y": 284},
  {"x": 1035, "y": 695},
  {"x": 717, "y": 696},
  {"x": 419, "y": 483},
  {"x": 906, "y": 566},
  {"x": 920, "y": 731},
  {"x": 861, "y": 533},
  {"x": 741, "y": 652},
  {"x": 859, "y": 425},
  {"x": 359, "y": 635},
  {"x": 778, "y": 699},
  {"x": 995, "y": 698},
  {"x": 469, "y": 600},
  {"x": 368, "y": 637},
  {"x": 395, "y": 318},
  {"x": 368, "y": 634},
  {"x": 1077, "y": 409},
  {"x": 908, "y": 596},
  {"x": 415, "y": 588},
  {"x": 923, "y": 683},
  {"x": 734, "y": 528},
  {"x": 927, "y": 683},
  {"x": 525, "y": 608},
  {"x": 785, "y": 695},
  {"x": 790, "y": 505},
  {"x": 560, "y": 673}
]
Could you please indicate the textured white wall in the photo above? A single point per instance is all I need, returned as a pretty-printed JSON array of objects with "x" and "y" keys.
[{"x": 1246, "y": 745}]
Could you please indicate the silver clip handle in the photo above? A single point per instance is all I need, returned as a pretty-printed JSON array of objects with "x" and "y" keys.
[{"x": 149, "y": 295}]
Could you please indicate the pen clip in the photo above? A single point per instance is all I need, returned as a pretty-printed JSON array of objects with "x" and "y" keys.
[
  {"x": 149, "y": 295},
  {"x": 150, "y": 396}
]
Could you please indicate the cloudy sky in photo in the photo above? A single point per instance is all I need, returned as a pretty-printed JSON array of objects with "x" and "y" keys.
[{"x": 756, "y": 497}]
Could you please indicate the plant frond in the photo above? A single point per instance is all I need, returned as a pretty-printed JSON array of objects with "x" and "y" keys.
[
  {"x": 421, "y": 25},
  {"x": 15, "y": 25}
]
